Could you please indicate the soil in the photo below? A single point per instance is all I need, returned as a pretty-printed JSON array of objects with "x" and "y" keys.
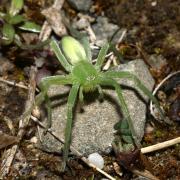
[{"x": 156, "y": 28}]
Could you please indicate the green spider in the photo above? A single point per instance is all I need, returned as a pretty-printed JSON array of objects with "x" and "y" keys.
[{"x": 76, "y": 59}]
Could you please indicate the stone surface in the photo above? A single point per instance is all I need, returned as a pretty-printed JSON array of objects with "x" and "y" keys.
[
  {"x": 157, "y": 62},
  {"x": 97, "y": 160},
  {"x": 104, "y": 31},
  {"x": 80, "y": 5},
  {"x": 93, "y": 128}
]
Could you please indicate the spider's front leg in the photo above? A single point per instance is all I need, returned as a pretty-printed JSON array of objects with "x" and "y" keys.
[
  {"x": 43, "y": 96},
  {"x": 139, "y": 84},
  {"x": 126, "y": 115},
  {"x": 70, "y": 105}
]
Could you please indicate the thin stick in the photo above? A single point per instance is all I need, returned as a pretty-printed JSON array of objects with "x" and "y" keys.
[
  {"x": 16, "y": 84},
  {"x": 112, "y": 57},
  {"x": 91, "y": 33},
  {"x": 160, "y": 145},
  {"x": 10, "y": 153},
  {"x": 122, "y": 36},
  {"x": 74, "y": 151},
  {"x": 156, "y": 89},
  {"x": 13, "y": 83}
]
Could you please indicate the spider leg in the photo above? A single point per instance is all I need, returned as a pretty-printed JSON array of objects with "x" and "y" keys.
[
  {"x": 81, "y": 99},
  {"x": 55, "y": 47},
  {"x": 43, "y": 96},
  {"x": 49, "y": 112},
  {"x": 101, "y": 56},
  {"x": 85, "y": 42},
  {"x": 81, "y": 96},
  {"x": 70, "y": 105},
  {"x": 110, "y": 82},
  {"x": 139, "y": 84},
  {"x": 101, "y": 95}
]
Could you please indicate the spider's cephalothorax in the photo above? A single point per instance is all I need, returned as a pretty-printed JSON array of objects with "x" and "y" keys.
[
  {"x": 83, "y": 72},
  {"x": 84, "y": 76}
]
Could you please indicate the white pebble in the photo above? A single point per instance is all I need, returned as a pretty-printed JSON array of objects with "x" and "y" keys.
[
  {"x": 36, "y": 112},
  {"x": 154, "y": 3},
  {"x": 97, "y": 160},
  {"x": 34, "y": 140}
]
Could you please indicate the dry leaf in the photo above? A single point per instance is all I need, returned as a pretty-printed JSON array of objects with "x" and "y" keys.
[
  {"x": 6, "y": 140},
  {"x": 54, "y": 18}
]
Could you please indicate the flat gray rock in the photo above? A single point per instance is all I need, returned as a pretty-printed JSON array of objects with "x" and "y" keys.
[
  {"x": 105, "y": 30},
  {"x": 81, "y": 5},
  {"x": 93, "y": 128}
]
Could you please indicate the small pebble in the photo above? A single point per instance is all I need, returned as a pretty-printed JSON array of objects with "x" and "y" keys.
[
  {"x": 149, "y": 129},
  {"x": 34, "y": 140},
  {"x": 154, "y": 3},
  {"x": 30, "y": 146},
  {"x": 36, "y": 112},
  {"x": 81, "y": 5},
  {"x": 97, "y": 160}
]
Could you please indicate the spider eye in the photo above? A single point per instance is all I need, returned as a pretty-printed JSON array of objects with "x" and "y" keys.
[{"x": 73, "y": 50}]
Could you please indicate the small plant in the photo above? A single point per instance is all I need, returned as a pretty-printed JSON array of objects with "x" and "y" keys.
[
  {"x": 83, "y": 76},
  {"x": 12, "y": 20}
]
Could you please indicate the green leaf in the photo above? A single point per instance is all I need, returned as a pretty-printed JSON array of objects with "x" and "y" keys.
[
  {"x": 38, "y": 45},
  {"x": 128, "y": 139},
  {"x": 16, "y": 19},
  {"x": 30, "y": 26},
  {"x": 117, "y": 126},
  {"x": 124, "y": 124},
  {"x": 7, "y": 18},
  {"x": 16, "y": 6},
  {"x": 8, "y": 32}
]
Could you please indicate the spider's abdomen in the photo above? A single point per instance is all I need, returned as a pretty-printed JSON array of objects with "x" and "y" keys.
[{"x": 86, "y": 75}]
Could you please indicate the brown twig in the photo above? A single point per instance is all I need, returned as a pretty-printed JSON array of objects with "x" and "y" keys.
[{"x": 10, "y": 153}]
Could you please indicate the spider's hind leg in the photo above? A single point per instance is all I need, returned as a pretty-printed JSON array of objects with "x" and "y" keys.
[
  {"x": 43, "y": 96},
  {"x": 81, "y": 100},
  {"x": 126, "y": 115},
  {"x": 81, "y": 96},
  {"x": 40, "y": 98},
  {"x": 70, "y": 105},
  {"x": 49, "y": 113},
  {"x": 101, "y": 95}
]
